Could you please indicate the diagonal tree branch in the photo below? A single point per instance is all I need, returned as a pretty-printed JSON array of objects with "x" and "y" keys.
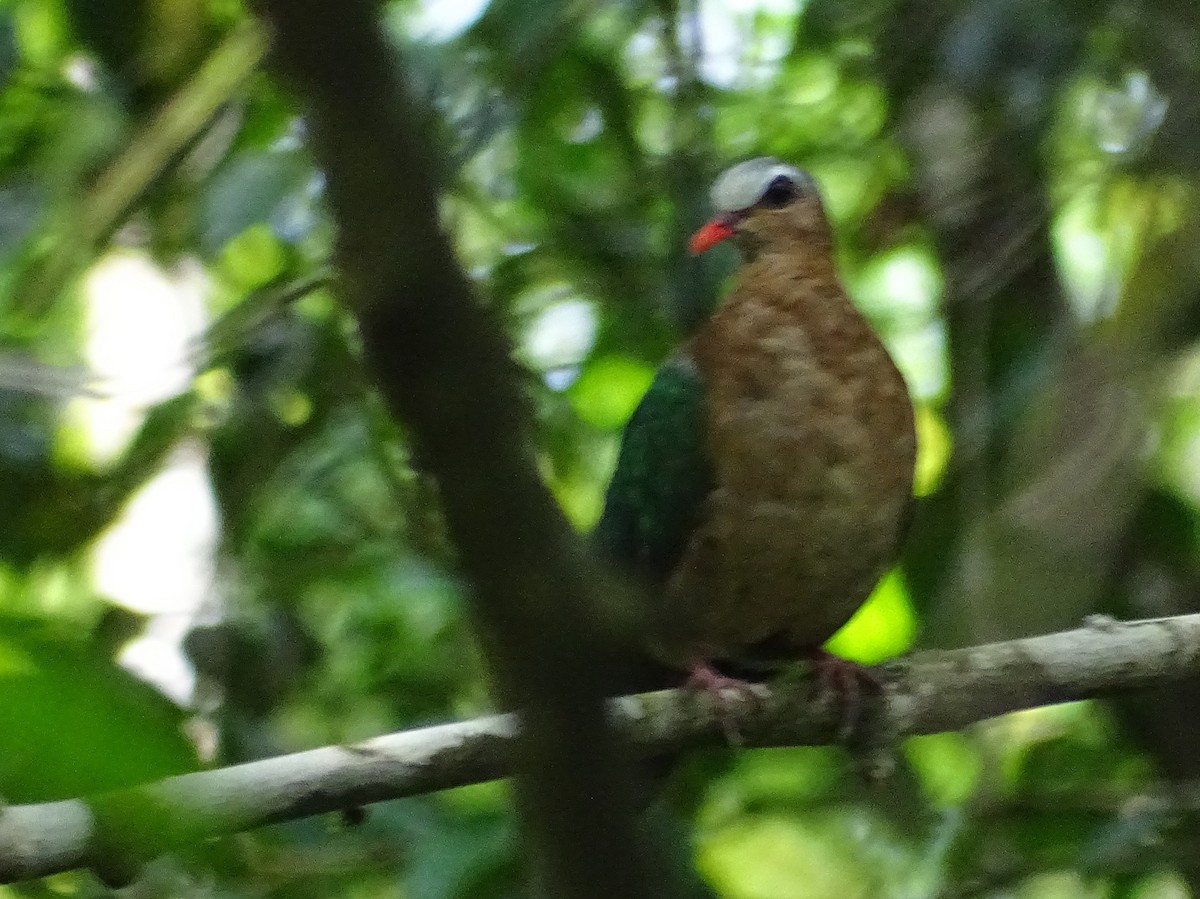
[
  {"x": 446, "y": 372},
  {"x": 158, "y": 145},
  {"x": 927, "y": 693}
]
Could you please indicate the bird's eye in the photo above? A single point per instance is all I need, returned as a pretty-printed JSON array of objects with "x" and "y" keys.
[{"x": 779, "y": 193}]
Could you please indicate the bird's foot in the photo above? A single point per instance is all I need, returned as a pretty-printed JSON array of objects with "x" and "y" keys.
[
  {"x": 726, "y": 693},
  {"x": 844, "y": 682},
  {"x": 704, "y": 678}
]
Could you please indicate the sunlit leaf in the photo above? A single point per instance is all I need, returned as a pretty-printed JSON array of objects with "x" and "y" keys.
[
  {"x": 933, "y": 450},
  {"x": 778, "y": 857},
  {"x": 884, "y": 627},
  {"x": 254, "y": 258},
  {"x": 608, "y": 390},
  {"x": 108, "y": 710},
  {"x": 949, "y": 766},
  {"x": 41, "y": 30}
]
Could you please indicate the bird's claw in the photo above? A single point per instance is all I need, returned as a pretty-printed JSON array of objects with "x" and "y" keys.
[
  {"x": 725, "y": 693},
  {"x": 843, "y": 681}
]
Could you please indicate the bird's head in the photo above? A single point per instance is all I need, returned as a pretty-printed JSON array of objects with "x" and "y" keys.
[{"x": 763, "y": 202}]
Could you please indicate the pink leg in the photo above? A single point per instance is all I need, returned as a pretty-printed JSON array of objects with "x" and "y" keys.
[
  {"x": 843, "y": 681},
  {"x": 725, "y": 692},
  {"x": 704, "y": 678}
]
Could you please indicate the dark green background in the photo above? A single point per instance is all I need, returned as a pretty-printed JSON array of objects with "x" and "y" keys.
[{"x": 1015, "y": 189}]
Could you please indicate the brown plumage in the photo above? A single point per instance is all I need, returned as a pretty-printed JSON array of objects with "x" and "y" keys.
[{"x": 807, "y": 431}]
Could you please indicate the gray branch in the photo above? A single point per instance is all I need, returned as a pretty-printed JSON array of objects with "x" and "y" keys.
[{"x": 926, "y": 693}]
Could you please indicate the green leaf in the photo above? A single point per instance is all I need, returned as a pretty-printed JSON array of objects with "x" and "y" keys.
[
  {"x": 778, "y": 857},
  {"x": 75, "y": 723},
  {"x": 254, "y": 258},
  {"x": 41, "y": 32},
  {"x": 884, "y": 627},
  {"x": 948, "y": 765},
  {"x": 609, "y": 389}
]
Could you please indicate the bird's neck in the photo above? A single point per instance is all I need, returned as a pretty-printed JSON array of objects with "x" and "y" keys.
[
  {"x": 812, "y": 241},
  {"x": 792, "y": 304},
  {"x": 805, "y": 270}
]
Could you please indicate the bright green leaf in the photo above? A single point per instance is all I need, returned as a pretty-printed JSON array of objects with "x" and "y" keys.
[
  {"x": 254, "y": 258},
  {"x": 609, "y": 389},
  {"x": 948, "y": 765},
  {"x": 883, "y": 628}
]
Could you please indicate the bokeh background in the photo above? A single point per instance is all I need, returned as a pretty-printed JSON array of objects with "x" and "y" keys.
[{"x": 216, "y": 546}]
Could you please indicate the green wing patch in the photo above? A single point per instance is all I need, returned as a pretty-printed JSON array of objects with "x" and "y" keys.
[{"x": 663, "y": 475}]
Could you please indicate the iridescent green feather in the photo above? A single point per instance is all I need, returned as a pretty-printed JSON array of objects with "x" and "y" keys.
[{"x": 663, "y": 475}]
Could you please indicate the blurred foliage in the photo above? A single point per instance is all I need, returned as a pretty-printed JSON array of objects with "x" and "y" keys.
[{"x": 1016, "y": 190}]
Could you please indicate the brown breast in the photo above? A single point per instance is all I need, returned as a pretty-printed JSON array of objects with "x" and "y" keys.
[{"x": 811, "y": 433}]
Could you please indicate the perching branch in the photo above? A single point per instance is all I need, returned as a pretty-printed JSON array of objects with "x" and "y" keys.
[{"x": 927, "y": 693}]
